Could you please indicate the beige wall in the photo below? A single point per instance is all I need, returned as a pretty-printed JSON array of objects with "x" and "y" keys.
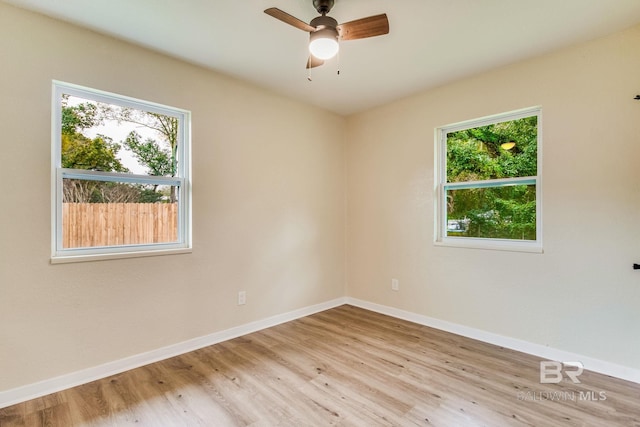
[
  {"x": 268, "y": 208},
  {"x": 581, "y": 295}
]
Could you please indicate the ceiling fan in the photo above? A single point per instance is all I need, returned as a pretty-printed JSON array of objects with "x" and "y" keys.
[{"x": 325, "y": 32}]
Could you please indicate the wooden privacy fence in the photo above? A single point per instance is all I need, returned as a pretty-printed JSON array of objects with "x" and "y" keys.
[{"x": 109, "y": 224}]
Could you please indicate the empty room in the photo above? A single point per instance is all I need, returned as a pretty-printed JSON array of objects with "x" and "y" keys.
[{"x": 318, "y": 212}]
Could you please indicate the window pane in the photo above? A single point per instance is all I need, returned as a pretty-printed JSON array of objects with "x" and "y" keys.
[
  {"x": 110, "y": 138},
  {"x": 501, "y": 150},
  {"x": 98, "y": 214},
  {"x": 506, "y": 212},
  {"x": 121, "y": 168}
]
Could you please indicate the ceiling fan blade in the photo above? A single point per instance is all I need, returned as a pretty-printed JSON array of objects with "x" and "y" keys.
[
  {"x": 372, "y": 26},
  {"x": 288, "y": 19},
  {"x": 313, "y": 62}
]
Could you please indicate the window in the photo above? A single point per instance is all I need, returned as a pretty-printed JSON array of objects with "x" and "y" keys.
[
  {"x": 488, "y": 182},
  {"x": 120, "y": 176}
]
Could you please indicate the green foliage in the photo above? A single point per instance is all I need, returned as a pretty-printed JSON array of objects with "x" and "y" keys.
[
  {"x": 75, "y": 119},
  {"x": 149, "y": 153},
  {"x": 101, "y": 153},
  {"x": 507, "y": 212},
  {"x": 476, "y": 154},
  {"x": 159, "y": 161},
  {"x": 150, "y": 195},
  {"x": 81, "y": 152}
]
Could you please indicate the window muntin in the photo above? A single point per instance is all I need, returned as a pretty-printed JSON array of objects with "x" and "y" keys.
[
  {"x": 488, "y": 193},
  {"x": 120, "y": 176}
]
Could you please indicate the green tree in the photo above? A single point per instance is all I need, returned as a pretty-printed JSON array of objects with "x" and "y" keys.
[
  {"x": 160, "y": 161},
  {"x": 149, "y": 153},
  {"x": 81, "y": 152},
  {"x": 475, "y": 155},
  {"x": 99, "y": 153},
  {"x": 78, "y": 118},
  {"x": 159, "y": 155},
  {"x": 165, "y": 126}
]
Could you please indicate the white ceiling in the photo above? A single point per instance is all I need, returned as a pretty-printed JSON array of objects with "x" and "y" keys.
[{"x": 431, "y": 42}]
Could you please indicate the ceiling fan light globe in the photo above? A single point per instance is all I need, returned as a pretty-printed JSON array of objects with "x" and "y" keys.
[
  {"x": 324, "y": 48},
  {"x": 323, "y": 43}
]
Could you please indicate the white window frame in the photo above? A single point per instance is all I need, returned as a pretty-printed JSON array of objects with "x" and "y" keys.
[
  {"x": 181, "y": 180},
  {"x": 441, "y": 186}
]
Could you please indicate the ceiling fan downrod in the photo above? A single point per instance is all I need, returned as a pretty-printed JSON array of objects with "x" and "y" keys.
[{"x": 323, "y": 6}]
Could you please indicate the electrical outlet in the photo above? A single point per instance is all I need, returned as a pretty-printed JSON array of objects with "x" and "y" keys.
[
  {"x": 242, "y": 297},
  {"x": 395, "y": 285}
]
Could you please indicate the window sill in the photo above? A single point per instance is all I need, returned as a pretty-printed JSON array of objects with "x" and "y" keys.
[
  {"x": 491, "y": 244},
  {"x": 66, "y": 259}
]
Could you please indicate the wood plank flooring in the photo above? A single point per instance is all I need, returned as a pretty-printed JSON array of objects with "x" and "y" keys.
[{"x": 342, "y": 367}]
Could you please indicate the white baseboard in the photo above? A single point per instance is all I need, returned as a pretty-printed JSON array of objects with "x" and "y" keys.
[
  {"x": 548, "y": 353},
  {"x": 42, "y": 388}
]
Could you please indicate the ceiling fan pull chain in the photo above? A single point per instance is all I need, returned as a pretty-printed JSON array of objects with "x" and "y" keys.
[
  {"x": 338, "y": 62},
  {"x": 309, "y": 69}
]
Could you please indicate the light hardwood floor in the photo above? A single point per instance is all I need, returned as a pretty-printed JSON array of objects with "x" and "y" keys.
[{"x": 345, "y": 367}]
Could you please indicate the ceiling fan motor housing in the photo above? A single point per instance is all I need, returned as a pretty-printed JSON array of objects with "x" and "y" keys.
[
  {"x": 322, "y": 22},
  {"x": 325, "y": 28},
  {"x": 323, "y": 6}
]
